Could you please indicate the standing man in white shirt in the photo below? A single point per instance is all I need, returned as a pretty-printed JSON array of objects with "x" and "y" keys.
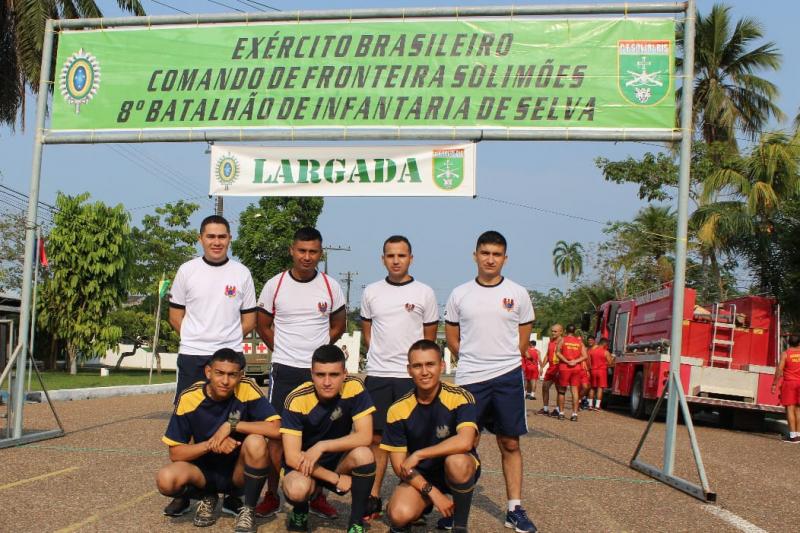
[
  {"x": 488, "y": 324},
  {"x": 395, "y": 313},
  {"x": 212, "y": 306},
  {"x": 300, "y": 310}
]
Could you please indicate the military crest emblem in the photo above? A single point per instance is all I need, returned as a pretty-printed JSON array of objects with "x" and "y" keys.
[
  {"x": 410, "y": 307},
  {"x": 508, "y": 304},
  {"x": 337, "y": 413},
  {"x": 448, "y": 168},
  {"x": 80, "y": 79},
  {"x": 442, "y": 432},
  {"x": 322, "y": 307},
  {"x": 226, "y": 170},
  {"x": 644, "y": 73},
  {"x": 230, "y": 291}
]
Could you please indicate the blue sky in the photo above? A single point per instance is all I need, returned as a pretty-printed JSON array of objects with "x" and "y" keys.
[{"x": 553, "y": 176}]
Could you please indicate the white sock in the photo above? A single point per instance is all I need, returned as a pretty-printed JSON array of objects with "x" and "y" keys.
[
  {"x": 512, "y": 504},
  {"x": 793, "y": 434},
  {"x": 597, "y": 403},
  {"x": 546, "y": 409}
]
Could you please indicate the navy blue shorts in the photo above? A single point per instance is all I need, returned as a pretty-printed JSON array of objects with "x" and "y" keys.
[
  {"x": 219, "y": 475},
  {"x": 384, "y": 392},
  {"x": 436, "y": 475},
  {"x": 500, "y": 404},
  {"x": 283, "y": 379},
  {"x": 191, "y": 369}
]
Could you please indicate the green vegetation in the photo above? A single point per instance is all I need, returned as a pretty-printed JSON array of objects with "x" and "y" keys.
[{"x": 86, "y": 378}]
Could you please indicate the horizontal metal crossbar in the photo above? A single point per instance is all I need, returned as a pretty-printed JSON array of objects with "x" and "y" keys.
[{"x": 386, "y": 13}]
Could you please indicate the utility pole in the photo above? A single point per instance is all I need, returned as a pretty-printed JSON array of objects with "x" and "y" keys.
[
  {"x": 327, "y": 249},
  {"x": 348, "y": 279}
]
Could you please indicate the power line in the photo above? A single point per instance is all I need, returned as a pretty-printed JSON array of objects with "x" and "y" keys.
[
  {"x": 171, "y": 7},
  {"x": 543, "y": 210},
  {"x": 226, "y": 6},
  {"x": 267, "y": 6}
]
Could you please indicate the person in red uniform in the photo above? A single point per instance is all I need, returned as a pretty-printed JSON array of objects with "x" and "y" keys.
[
  {"x": 530, "y": 365},
  {"x": 551, "y": 375},
  {"x": 599, "y": 360},
  {"x": 571, "y": 353},
  {"x": 789, "y": 371}
]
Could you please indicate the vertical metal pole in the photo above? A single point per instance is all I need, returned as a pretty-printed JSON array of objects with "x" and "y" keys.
[
  {"x": 30, "y": 226},
  {"x": 154, "y": 351},
  {"x": 679, "y": 282},
  {"x": 36, "y": 259},
  {"x": 218, "y": 206}
]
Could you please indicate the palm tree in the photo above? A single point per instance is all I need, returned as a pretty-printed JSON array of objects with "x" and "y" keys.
[
  {"x": 568, "y": 259},
  {"x": 753, "y": 188},
  {"x": 728, "y": 95},
  {"x": 22, "y": 27}
]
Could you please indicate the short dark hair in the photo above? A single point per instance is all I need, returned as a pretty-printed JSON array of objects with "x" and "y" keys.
[
  {"x": 491, "y": 237},
  {"x": 395, "y": 239},
  {"x": 533, "y": 343},
  {"x": 793, "y": 340},
  {"x": 227, "y": 355},
  {"x": 307, "y": 233},
  {"x": 570, "y": 328},
  {"x": 603, "y": 341},
  {"x": 214, "y": 219},
  {"x": 328, "y": 353},
  {"x": 425, "y": 344}
]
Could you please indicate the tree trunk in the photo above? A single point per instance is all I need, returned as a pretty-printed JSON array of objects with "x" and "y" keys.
[
  {"x": 716, "y": 275},
  {"x": 52, "y": 356},
  {"x": 158, "y": 362},
  {"x": 72, "y": 359}
]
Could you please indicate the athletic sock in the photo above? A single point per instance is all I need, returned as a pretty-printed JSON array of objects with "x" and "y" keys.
[
  {"x": 190, "y": 492},
  {"x": 512, "y": 504},
  {"x": 462, "y": 498},
  {"x": 546, "y": 409},
  {"x": 363, "y": 479},
  {"x": 597, "y": 403},
  {"x": 254, "y": 479},
  {"x": 299, "y": 507}
]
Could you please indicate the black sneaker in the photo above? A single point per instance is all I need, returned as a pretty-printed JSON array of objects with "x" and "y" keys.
[
  {"x": 297, "y": 521},
  {"x": 178, "y": 507},
  {"x": 245, "y": 520},
  {"x": 205, "y": 514},
  {"x": 374, "y": 508},
  {"x": 445, "y": 523},
  {"x": 232, "y": 505},
  {"x": 561, "y": 416},
  {"x": 574, "y": 417}
]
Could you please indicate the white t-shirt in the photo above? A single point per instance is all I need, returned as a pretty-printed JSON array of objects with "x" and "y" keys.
[
  {"x": 214, "y": 297},
  {"x": 301, "y": 312},
  {"x": 397, "y": 312},
  {"x": 489, "y": 320}
]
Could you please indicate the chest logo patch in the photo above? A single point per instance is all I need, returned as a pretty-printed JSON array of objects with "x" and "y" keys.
[
  {"x": 442, "y": 432},
  {"x": 508, "y": 304},
  {"x": 322, "y": 306},
  {"x": 230, "y": 291},
  {"x": 336, "y": 414},
  {"x": 410, "y": 307}
]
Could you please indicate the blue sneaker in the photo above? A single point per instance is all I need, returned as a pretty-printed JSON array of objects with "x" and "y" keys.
[{"x": 518, "y": 519}]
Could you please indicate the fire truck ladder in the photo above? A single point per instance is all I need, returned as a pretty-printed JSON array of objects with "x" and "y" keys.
[{"x": 722, "y": 336}]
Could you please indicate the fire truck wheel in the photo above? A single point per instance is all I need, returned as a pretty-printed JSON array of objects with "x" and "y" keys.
[{"x": 637, "y": 403}]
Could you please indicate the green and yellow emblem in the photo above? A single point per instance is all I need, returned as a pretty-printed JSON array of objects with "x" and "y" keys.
[
  {"x": 227, "y": 170},
  {"x": 80, "y": 79},
  {"x": 448, "y": 168},
  {"x": 644, "y": 70}
]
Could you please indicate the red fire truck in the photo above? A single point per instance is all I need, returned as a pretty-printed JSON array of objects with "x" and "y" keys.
[{"x": 729, "y": 353}]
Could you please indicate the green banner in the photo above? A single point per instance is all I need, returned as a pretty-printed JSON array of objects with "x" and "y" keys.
[{"x": 510, "y": 73}]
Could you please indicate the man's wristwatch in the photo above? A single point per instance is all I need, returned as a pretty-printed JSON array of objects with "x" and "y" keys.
[
  {"x": 426, "y": 488},
  {"x": 233, "y": 420}
]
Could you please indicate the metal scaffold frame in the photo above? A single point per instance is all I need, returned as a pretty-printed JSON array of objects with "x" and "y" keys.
[{"x": 683, "y": 134}]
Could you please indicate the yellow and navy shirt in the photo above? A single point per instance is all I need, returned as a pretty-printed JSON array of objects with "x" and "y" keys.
[
  {"x": 197, "y": 416},
  {"x": 412, "y": 426},
  {"x": 314, "y": 420}
]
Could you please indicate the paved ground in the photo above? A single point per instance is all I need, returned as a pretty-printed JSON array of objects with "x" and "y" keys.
[{"x": 100, "y": 476}]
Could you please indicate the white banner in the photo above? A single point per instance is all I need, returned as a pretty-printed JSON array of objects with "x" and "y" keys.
[{"x": 343, "y": 170}]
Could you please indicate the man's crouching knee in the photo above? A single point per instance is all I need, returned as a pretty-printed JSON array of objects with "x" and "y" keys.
[{"x": 459, "y": 468}]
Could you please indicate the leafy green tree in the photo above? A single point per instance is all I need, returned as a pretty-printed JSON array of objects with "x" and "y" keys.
[
  {"x": 89, "y": 254},
  {"x": 266, "y": 230},
  {"x": 568, "y": 259},
  {"x": 559, "y": 307},
  {"x": 22, "y": 26},
  {"x": 12, "y": 251},
  {"x": 164, "y": 241},
  {"x": 728, "y": 93},
  {"x": 138, "y": 328}
]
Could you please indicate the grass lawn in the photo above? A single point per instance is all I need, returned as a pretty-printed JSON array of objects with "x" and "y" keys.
[{"x": 91, "y": 378}]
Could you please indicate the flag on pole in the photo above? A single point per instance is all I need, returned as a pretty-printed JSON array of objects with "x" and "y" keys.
[
  {"x": 42, "y": 254},
  {"x": 162, "y": 288}
]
